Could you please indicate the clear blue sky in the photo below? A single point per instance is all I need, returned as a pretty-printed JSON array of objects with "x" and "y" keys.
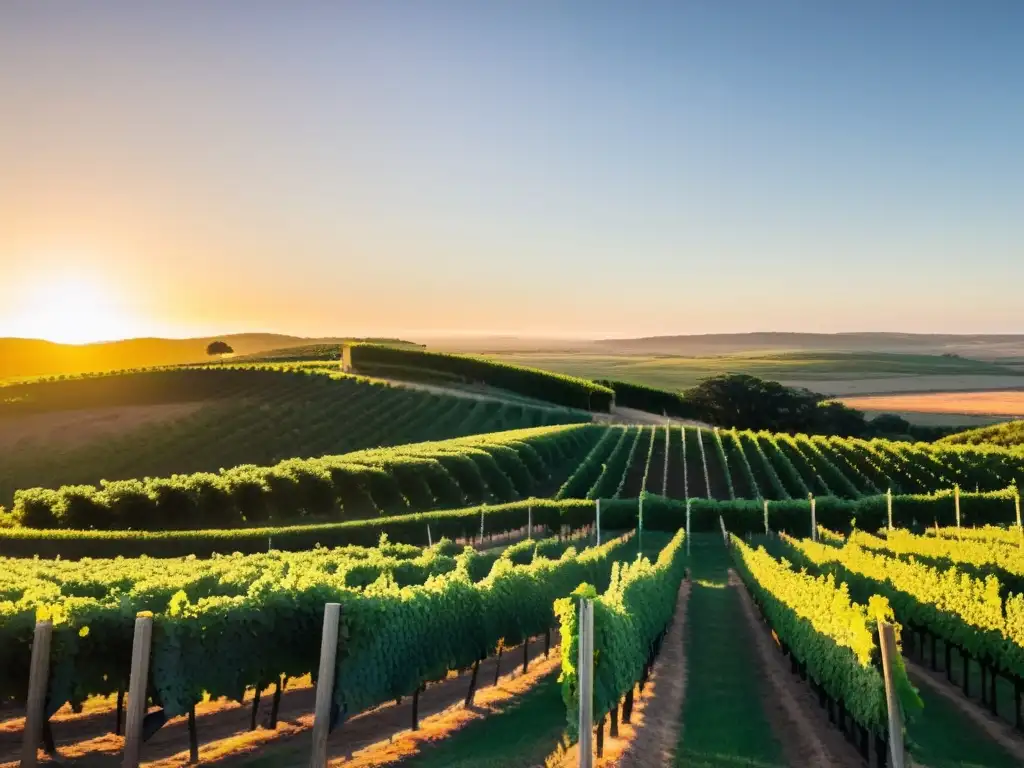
[{"x": 581, "y": 168}]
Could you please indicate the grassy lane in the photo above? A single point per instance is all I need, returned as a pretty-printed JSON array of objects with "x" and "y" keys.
[
  {"x": 944, "y": 738},
  {"x": 723, "y": 720},
  {"x": 524, "y": 733}
]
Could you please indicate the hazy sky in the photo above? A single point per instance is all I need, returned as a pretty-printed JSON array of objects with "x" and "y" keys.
[{"x": 580, "y": 168}]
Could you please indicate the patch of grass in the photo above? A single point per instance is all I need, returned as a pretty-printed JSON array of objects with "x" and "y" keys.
[
  {"x": 724, "y": 723},
  {"x": 943, "y": 738},
  {"x": 523, "y": 734}
]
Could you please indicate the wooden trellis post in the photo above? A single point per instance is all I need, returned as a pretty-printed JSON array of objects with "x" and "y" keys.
[
  {"x": 814, "y": 518},
  {"x": 664, "y": 473},
  {"x": 887, "y": 640},
  {"x": 137, "y": 682},
  {"x": 766, "y": 529},
  {"x": 598, "y": 519},
  {"x": 640, "y": 525},
  {"x": 325, "y": 685},
  {"x": 956, "y": 501},
  {"x": 888, "y": 503},
  {"x": 585, "y": 671},
  {"x": 38, "y": 680},
  {"x": 687, "y": 526}
]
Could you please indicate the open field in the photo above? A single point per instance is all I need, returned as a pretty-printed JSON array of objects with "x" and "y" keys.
[
  {"x": 997, "y": 403},
  {"x": 838, "y": 373},
  {"x": 1006, "y": 348},
  {"x": 925, "y": 419}
]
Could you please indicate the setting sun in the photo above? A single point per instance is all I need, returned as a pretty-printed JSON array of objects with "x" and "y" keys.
[{"x": 70, "y": 308}]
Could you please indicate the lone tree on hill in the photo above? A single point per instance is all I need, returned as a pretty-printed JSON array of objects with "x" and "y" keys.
[{"x": 219, "y": 348}]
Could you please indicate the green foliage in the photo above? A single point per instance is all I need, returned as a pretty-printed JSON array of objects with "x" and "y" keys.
[
  {"x": 629, "y": 618},
  {"x": 1010, "y": 434},
  {"x": 961, "y": 609},
  {"x": 835, "y": 638},
  {"x": 417, "y": 477},
  {"x": 651, "y": 399},
  {"x": 236, "y": 415},
  {"x": 219, "y": 348},
  {"x": 237, "y": 622},
  {"x": 568, "y": 391},
  {"x": 590, "y": 469}
]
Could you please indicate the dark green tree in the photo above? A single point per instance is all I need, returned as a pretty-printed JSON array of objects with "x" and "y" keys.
[{"x": 219, "y": 348}]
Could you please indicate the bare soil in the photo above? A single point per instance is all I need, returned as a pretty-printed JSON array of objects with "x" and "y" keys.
[
  {"x": 652, "y": 736},
  {"x": 802, "y": 726},
  {"x": 72, "y": 428},
  {"x": 223, "y": 726}
]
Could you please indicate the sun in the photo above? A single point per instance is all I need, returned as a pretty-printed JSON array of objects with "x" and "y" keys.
[{"x": 71, "y": 309}]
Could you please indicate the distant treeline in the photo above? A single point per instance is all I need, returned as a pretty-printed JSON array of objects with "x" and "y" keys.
[{"x": 748, "y": 402}]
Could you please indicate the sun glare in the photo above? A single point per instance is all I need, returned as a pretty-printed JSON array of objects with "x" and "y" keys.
[{"x": 71, "y": 309}]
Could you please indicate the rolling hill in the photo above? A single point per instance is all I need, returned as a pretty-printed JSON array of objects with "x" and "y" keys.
[{"x": 33, "y": 357}]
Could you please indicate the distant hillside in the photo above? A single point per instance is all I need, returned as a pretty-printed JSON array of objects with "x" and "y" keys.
[
  {"x": 1008, "y": 434},
  {"x": 32, "y": 357},
  {"x": 979, "y": 347}
]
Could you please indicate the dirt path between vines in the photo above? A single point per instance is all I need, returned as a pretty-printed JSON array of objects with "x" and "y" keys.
[
  {"x": 802, "y": 727},
  {"x": 654, "y": 733},
  {"x": 223, "y": 726},
  {"x": 1000, "y": 732}
]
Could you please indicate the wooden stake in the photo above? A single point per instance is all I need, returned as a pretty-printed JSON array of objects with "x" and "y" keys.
[
  {"x": 497, "y": 664},
  {"x": 888, "y": 503},
  {"x": 471, "y": 693},
  {"x": 255, "y": 708},
  {"x": 814, "y": 518},
  {"x": 416, "y": 709},
  {"x": 275, "y": 704},
  {"x": 119, "y": 721},
  {"x": 766, "y": 530},
  {"x": 1016, "y": 504},
  {"x": 887, "y": 639},
  {"x": 585, "y": 670},
  {"x": 687, "y": 526},
  {"x": 640, "y": 525},
  {"x": 193, "y": 737},
  {"x": 598, "y": 519},
  {"x": 38, "y": 682},
  {"x": 137, "y": 683},
  {"x": 325, "y": 685},
  {"x": 956, "y": 499},
  {"x": 526, "y": 654},
  {"x": 430, "y": 539},
  {"x": 668, "y": 443}
]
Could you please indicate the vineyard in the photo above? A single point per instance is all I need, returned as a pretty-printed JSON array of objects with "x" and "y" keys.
[
  {"x": 1009, "y": 434},
  {"x": 252, "y": 415},
  {"x": 318, "y": 567}
]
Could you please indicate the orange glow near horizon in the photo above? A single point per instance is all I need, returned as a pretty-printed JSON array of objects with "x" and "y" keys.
[{"x": 70, "y": 308}]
